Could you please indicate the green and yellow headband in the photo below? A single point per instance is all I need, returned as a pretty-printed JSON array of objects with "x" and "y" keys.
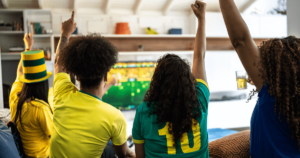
[{"x": 34, "y": 67}]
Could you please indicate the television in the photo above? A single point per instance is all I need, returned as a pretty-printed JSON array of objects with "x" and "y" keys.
[{"x": 133, "y": 80}]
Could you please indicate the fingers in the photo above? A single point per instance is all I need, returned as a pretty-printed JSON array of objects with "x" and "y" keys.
[
  {"x": 193, "y": 7},
  {"x": 29, "y": 35},
  {"x": 200, "y": 3},
  {"x": 72, "y": 16}
]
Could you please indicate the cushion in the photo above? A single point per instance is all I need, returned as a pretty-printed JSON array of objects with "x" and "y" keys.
[{"x": 235, "y": 145}]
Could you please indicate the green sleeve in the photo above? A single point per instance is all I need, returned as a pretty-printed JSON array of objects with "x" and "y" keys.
[
  {"x": 203, "y": 94},
  {"x": 136, "y": 129}
]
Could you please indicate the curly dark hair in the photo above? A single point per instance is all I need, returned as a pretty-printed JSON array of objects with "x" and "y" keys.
[
  {"x": 279, "y": 67},
  {"x": 89, "y": 58},
  {"x": 172, "y": 96}
]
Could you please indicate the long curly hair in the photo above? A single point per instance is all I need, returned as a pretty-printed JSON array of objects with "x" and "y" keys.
[
  {"x": 279, "y": 67},
  {"x": 88, "y": 58},
  {"x": 172, "y": 96}
]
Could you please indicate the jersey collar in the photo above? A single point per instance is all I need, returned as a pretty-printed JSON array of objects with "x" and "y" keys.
[{"x": 90, "y": 95}]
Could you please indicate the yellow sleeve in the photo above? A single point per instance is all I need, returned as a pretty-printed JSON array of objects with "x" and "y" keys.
[
  {"x": 15, "y": 89},
  {"x": 50, "y": 98},
  {"x": 45, "y": 119},
  {"x": 119, "y": 128},
  {"x": 62, "y": 84}
]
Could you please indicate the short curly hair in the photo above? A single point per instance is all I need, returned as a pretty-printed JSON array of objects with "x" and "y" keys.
[
  {"x": 89, "y": 58},
  {"x": 173, "y": 96}
]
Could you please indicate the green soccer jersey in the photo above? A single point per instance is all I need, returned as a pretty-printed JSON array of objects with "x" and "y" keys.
[{"x": 159, "y": 143}]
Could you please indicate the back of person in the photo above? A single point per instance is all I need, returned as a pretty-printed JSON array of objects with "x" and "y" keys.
[
  {"x": 157, "y": 140},
  {"x": 269, "y": 136},
  {"x": 29, "y": 109},
  {"x": 83, "y": 123}
]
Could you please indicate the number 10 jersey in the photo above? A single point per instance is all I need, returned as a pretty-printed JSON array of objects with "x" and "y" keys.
[{"x": 159, "y": 143}]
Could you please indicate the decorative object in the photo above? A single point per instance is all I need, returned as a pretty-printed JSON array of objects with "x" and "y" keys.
[
  {"x": 174, "y": 31},
  {"x": 123, "y": 28},
  {"x": 151, "y": 31}
]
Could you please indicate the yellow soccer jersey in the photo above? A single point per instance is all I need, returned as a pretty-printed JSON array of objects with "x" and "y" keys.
[
  {"x": 83, "y": 123},
  {"x": 37, "y": 123}
]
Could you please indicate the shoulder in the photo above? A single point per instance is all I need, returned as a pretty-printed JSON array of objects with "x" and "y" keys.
[
  {"x": 110, "y": 110},
  {"x": 40, "y": 104},
  {"x": 142, "y": 107}
]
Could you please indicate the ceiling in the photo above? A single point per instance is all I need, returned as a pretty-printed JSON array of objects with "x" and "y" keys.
[{"x": 106, "y": 6}]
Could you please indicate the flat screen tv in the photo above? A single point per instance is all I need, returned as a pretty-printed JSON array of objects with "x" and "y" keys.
[{"x": 133, "y": 82}]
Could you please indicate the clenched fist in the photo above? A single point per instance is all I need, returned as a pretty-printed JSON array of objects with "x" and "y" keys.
[
  {"x": 199, "y": 9},
  {"x": 28, "y": 40}
]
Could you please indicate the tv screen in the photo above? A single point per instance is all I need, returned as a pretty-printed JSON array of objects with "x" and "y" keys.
[{"x": 133, "y": 82}]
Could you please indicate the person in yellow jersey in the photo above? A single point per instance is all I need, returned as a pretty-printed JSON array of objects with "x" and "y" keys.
[
  {"x": 28, "y": 102},
  {"x": 83, "y": 124}
]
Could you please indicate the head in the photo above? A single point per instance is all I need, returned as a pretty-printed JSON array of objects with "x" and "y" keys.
[
  {"x": 280, "y": 69},
  {"x": 172, "y": 95},
  {"x": 89, "y": 58},
  {"x": 31, "y": 91}
]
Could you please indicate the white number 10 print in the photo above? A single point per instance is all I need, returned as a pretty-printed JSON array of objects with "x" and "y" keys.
[{"x": 184, "y": 142}]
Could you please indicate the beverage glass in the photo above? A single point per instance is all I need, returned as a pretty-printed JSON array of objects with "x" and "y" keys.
[{"x": 241, "y": 79}]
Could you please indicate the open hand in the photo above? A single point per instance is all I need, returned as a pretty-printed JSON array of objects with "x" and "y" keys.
[
  {"x": 28, "y": 40},
  {"x": 68, "y": 27},
  {"x": 199, "y": 9}
]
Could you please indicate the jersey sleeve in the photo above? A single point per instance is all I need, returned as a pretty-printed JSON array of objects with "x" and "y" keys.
[
  {"x": 204, "y": 93},
  {"x": 62, "y": 85},
  {"x": 136, "y": 129},
  {"x": 15, "y": 89},
  {"x": 45, "y": 119},
  {"x": 119, "y": 128}
]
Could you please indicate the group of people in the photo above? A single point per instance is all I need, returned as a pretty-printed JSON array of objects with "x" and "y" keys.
[{"x": 172, "y": 120}]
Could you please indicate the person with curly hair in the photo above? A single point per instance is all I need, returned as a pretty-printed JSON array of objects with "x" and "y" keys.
[
  {"x": 172, "y": 120},
  {"x": 274, "y": 68},
  {"x": 83, "y": 124}
]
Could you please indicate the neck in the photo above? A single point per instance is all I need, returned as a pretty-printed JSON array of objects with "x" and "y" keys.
[{"x": 94, "y": 91}]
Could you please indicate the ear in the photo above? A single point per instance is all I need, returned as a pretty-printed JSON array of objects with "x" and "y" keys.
[{"x": 105, "y": 78}]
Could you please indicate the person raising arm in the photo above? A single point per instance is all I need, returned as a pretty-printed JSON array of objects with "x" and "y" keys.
[
  {"x": 175, "y": 105},
  {"x": 274, "y": 69},
  {"x": 83, "y": 123}
]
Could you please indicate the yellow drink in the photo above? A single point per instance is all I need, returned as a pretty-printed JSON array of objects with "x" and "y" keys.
[{"x": 241, "y": 83}]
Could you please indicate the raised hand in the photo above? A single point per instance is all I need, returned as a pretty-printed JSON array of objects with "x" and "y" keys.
[
  {"x": 68, "y": 27},
  {"x": 199, "y": 9},
  {"x": 28, "y": 40}
]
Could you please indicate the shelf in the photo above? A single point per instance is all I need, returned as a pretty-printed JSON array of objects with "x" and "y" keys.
[
  {"x": 11, "y": 32},
  {"x": 156, "y": 52},
  {"x": 15, "y": 56},
  {"x": 10, "y": 56},
  {"x": 41, "y": 36},
  {"x": 143, "y": 36}
]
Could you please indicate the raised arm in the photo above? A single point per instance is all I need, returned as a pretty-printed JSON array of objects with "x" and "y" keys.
[
  {"x": 198, "y": 69},
  {"x": 241, "y": 40},
  {"x": 28, "y": 40},
  {"x": 67, "y": 28}
]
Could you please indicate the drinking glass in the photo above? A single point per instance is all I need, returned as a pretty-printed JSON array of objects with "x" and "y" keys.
[{"x": 241, "y": 79}]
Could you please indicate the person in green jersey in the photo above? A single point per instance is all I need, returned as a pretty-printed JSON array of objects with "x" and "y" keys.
[{"x": 172, "y": 120}]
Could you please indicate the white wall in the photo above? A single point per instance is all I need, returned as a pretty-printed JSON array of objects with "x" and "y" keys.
[
  {"x": 105, "y": 24},
  {"x": 293, "y": 13},
  {"x": 262, "y": 6}
]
